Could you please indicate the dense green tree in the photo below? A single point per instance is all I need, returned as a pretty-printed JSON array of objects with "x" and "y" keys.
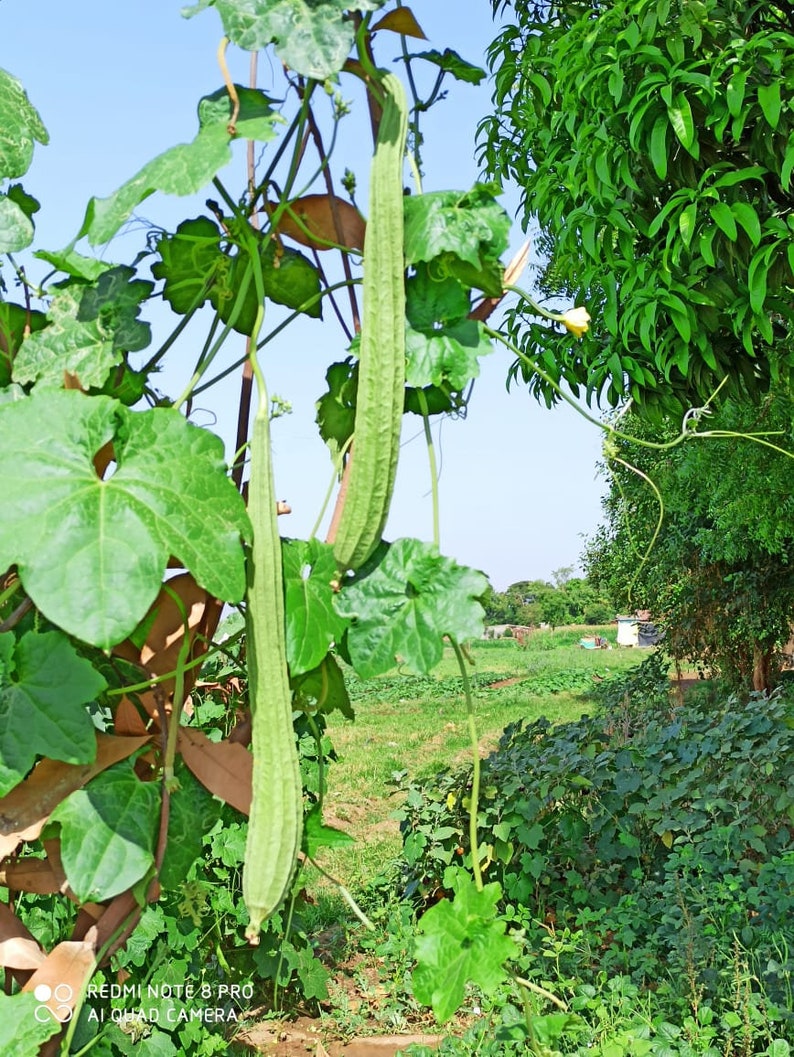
[
  {"x": 718, "y": 572},
  {"x": 653, "y": 144}
]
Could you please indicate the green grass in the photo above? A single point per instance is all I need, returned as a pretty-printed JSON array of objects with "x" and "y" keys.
[{"x": 416, "y": 725}]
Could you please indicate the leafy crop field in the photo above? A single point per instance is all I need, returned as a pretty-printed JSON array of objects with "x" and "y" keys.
[{"x": 410, "y": 726}]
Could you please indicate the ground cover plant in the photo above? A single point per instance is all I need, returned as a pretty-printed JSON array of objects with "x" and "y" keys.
[{"x": 164, "y": 781}]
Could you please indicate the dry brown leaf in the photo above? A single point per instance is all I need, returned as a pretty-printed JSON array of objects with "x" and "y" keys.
[
  {"x": 27, "y": 807},
  {"x": 127, "y": 720},
  {"x": 310, "y": 221},
  {"x": 61, "y": 977},
  {"x": 401, "y": 20},
  {"x": 31, "y": 875},
  {"x": 514, "y": 269},
  {"x": 18, "y": 948},
  {"x": 223, "y": 767}
]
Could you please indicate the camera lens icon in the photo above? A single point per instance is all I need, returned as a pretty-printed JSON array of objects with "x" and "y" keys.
[{"x": 62, "y": 1011}]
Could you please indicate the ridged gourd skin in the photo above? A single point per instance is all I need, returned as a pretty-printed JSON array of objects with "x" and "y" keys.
[
  {"x": 381, "y": 371},
  {"x": 275, "y": 824}
]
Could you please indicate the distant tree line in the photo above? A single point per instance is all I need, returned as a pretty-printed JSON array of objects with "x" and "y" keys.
[{"x": 568, "y": 600}]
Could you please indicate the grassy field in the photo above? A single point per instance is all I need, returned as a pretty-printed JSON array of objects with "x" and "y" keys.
[{"x": 415, "y": 725}]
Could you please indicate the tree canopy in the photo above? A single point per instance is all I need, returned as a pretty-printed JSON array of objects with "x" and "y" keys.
[
  {"x": 718, "y": 570},
  {"x": 653, "y": 143}
]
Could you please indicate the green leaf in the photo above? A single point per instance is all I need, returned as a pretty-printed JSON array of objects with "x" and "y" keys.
[
  {"x": 447, "y": 355},
  {"x": 336, "y": 408},
  {"x": 322, "y": 689},
  {"x": 723, "y": 217},
  {"x": 20, "y": 127},
  {"x": 748, "y": 219},
  {"x": 686, "y": 223},
  {"x": 770, "y": 102},
  {"x": 404, "y": 607},
  {"x": 312, "y": 37},
  {"x": 182, "y": 170},
  {"x": 317, "y": 835},
  {"x": 193, "y": 811},
  {"x": 255, "y": 120},
  {"x": 84, "y": 347},
  {"x": 91, "y": 553},
  {"x": 189, "y": 261},
  {"x": 680, "y": 115},
  {"x": 21, "y": 1030},
  {"x": 107, "y": 833},
  {"x": 14, "y": 320},
  {"x": 75, "y": 264},
  {"x": 16, "y": 228},
  {"x": 430, "y": 300},
  {"x": 27, "y": 203},
  {"x": 114, "y": 302},
  {"x": 471, "y": 226},
  {"x": 313, "y": 624},
  {"x": 44, "y": 687},
  {"x": 460, "y": 942},
  {"x": 658, "y": 147},
  {"x": 450, "y": 62}
]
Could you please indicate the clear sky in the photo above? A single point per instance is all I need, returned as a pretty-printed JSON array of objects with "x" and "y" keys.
[{"x": 117, "y": 84}]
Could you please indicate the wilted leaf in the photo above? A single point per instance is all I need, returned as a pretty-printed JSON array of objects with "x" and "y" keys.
[
  {"x": 91, "y": 553},
  {"x": 63, "y": 973},
  {"x": 18, "y": 948},
  {"x": 24, "y": 812},
  {"x": 401, "y": 20},
  {"x": 310, "y": 221},
  {"x": 223, "y": 767}
]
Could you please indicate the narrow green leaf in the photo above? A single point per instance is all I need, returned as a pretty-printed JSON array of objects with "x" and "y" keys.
[
  {"x": 451, "y": 62},
  {"x": 658, "y": 147},
  {"x": 723, "y": 217},
  {"x": 734, "y": 93},
  {"x": 756, "y": 280},
  {"x": 748, "y": 219},
  {"x": 770, "y": 102},
  {"x": 686, "y": 223},
  {"x": 107, "y": 833},
  {"x": 680, "y": 114}
]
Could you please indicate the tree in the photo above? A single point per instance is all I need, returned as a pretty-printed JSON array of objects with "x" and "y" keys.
[
  {"x": 654, "y": 145},
  {"x": 719, "y": 574}
]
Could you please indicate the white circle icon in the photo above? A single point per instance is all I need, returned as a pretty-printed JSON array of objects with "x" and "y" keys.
[{"x": 62, "y": 993}]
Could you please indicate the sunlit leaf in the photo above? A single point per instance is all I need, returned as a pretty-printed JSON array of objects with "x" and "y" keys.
[
  {"x": 91, "y": 553},
  {"x": 451, "y": 62},
  {"x": 313, "y": 623},
  {"x": 20, "y": 128},
  {"x": 16, "y": 228},
  {"x": 445, "y": 355},
  {"x": 461, "y": 942},
  {"x": 255, "y": 120},
  {"x": 404, "y": 607},
  {"x": 317, "y": 835}
]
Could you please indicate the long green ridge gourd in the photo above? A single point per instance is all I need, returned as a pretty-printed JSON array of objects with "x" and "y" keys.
[
  {"x": 276, "y": 820},
  {"x": 381, "y": 371}
]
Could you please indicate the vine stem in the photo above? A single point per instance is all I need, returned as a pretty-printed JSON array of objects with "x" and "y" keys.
[
  {"x": 474, "y": 799},
  {"x": 431, "y": 458}
]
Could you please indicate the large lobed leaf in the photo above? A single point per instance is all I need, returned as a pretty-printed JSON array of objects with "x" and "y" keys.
[
  {"x": 460, "y": 942},
  {"x": 91, "y": 553},
  {"x": 402, "y": 610},
  {"x": 313, "y": 625},
  {"x": 44, "y": 687},
  {"x": 107, "y": 833},
  {"x": 312, "y": 37}
]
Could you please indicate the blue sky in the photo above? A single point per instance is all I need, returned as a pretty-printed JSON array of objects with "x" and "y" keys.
[{"x": 117, "y": 84}]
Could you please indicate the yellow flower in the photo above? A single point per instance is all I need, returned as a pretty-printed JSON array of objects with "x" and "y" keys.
[
  {"x": 451, "y": 800},
  {"x": 576, "y": 320}
]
